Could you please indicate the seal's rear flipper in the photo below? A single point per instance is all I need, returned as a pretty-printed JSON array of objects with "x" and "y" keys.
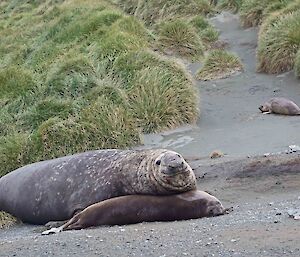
[{"x": 52, "y": 231}]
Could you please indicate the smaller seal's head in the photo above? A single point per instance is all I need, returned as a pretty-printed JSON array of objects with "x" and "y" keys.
[
  {"x": 209, "y": 204},
  {"x": 263, "y": 108},
  {"x": 266, "y": 107},
  {"x": 215, "y": 208},
  {"x": 173, "y": 172}
]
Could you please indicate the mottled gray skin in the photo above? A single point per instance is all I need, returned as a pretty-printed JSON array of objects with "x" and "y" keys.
[
  {"x": 280, "y": 105},
  {"x": 145, "y": 208},
  {"x": 57, "y": 189}
]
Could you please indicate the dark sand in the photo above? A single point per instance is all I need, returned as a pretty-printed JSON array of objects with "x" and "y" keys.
[{"x": 230, "y": 121}]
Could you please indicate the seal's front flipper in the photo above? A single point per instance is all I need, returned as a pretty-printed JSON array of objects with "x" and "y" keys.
[{"x": 52, "y": 231}]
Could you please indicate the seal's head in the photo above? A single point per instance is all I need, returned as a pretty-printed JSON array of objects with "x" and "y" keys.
[
  {"x": 264, "y": 108},
  {"x": 171, "y": 163},
  {"x": 214, "y": 208},
  {"x": 204, "y": 203},
  {"x": 172, "y": 172}
]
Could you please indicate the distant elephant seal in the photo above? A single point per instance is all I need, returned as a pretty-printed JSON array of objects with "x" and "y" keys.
[
  {"x": 145, "y": 208},
  {"x": 57, "y": 189},
  {"x": 280, "y": 105}
]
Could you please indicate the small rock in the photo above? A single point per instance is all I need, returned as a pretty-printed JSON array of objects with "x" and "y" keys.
[
  {"x": 294, "y": 213},
  {"x": 294, "y": 148}
]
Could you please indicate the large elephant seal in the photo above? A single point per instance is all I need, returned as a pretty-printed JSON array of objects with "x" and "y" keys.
[
  {"x": 280, "y": 105},
  {"x": 145, "y": 208},
  {"x": 58, "y": 188}
]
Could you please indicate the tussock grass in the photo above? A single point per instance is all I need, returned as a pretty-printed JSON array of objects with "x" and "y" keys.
[
  {"x": 219, "y": 64},
  {"x": 233, "y": 5},
  {"x": 147, "y": 73},
  {"x": 181, "y": 38},
  {"x": 273, "y": 17},
  {"x": 15, "y": 81},
  {"x": 297, "y": 64},
  {"x": 15, "y": 151},
  {"x": 207, "y": 32},
  {"x": 76, "y": 75},
  {"x": 71, "y": 76},
  {"x": 101, "y": 125},
  {"x": 48, "y": 108},
  {"x": 115, "y": 43},
  {"x": 7, "y": 220},
  {"x": 279, "y": 44},
  {"x": 252, "y": 12},
  {"x": 152, "y": 11},
  {"x": 163, "y": 109}
]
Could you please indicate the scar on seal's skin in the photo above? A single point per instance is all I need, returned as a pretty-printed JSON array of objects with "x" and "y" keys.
[{"x": 145, "y": 208}]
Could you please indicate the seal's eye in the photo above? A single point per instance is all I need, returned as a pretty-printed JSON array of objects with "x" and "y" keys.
[{"x": 157, "y": 162}]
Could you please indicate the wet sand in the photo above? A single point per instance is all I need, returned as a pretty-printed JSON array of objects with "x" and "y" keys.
[{"x": 230, "y": 120}]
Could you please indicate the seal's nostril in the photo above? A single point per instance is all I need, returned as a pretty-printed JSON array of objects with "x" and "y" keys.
[{"x": 157, "y": 162}]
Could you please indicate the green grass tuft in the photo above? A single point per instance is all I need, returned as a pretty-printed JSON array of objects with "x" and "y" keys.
[
  {"x": 233, "y": 5},
  {"x": 297, "y": 64},
  {"x": 48, "y": 108},
  {"x": 71, "y": 76},
  {"x": 15, "y": 81},
  {"x": 152, "y": 11},
  {"x": 101, "y": 125},
  {"x": 252, "y": 12},
  {"x": 146, "y": 73},
  {"x": 180, "y": 38},
  {"x": 15, "y": 151},
  {"x": 278, "y": 45},
  {"x": 219, "y": 64},
  {"x": 207, "y": 32},
  {"x": 163, "y": 109}
]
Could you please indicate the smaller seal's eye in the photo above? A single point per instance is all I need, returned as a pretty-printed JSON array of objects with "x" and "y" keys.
[{"x": 157, "y": 162}]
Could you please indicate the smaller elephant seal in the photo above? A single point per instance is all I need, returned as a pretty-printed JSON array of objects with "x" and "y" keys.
[
  {"x": 132, "y": 209},
  {"x": 280, "y": 105}
]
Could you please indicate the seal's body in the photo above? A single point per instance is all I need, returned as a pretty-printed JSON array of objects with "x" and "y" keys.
[
  {"x": 58, "y": 188},
  {"x": 280, "y": 105},
  {"x": 145, "y": 208}
]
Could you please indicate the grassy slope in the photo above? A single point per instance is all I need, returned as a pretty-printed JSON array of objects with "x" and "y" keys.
[{"x": 78, "y": 75}]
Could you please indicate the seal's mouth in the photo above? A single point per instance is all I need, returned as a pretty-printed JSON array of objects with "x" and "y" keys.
[
  {"x": 219, "y": 211},
  {"x": 173, "y": 171}
]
